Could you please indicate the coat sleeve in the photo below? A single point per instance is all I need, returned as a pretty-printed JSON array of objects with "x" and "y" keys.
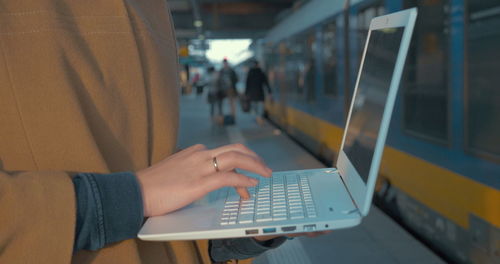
[
  {"x": 247, "y": 83},
  {"x": 265, "y": 80},
  {"x": 234, "y": 78},
  {"x": 37, "y": 217},
  {"x": 109, "y": 209}
]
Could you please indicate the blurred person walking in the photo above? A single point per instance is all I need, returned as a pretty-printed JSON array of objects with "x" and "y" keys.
[
  {"x": 254, "y": 91},
  {"x": 196, "y": 83},
  {"x": 215, "y": 95},
  {"x": 227, "y": 85}
]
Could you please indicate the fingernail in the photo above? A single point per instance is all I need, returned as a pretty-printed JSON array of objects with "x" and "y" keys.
[{"x": 254, "y": 181}]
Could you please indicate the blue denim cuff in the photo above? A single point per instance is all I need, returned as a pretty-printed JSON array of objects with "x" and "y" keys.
[
  {"x": 109, "y": 209},
  {"x": 241, "y": 248}
]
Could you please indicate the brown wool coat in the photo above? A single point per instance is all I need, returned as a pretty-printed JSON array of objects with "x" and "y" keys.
[{"x": 85, "y": 86}]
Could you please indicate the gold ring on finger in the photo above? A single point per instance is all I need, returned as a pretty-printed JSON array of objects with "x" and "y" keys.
[{"x": 216, "y": 166}]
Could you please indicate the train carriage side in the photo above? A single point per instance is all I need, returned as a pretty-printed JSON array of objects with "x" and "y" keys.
[{"x": 440, "y": 174}]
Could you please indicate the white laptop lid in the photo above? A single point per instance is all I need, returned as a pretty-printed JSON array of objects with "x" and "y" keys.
[{"x": 372, "y": 105}]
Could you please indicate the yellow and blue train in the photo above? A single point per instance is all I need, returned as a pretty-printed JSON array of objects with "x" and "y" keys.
[{"x": 440, "y": 175}]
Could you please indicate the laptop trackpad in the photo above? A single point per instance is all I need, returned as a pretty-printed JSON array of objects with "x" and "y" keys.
[
  {"x": 200, "y": 215},
  {"x": 330, "y": 195}
]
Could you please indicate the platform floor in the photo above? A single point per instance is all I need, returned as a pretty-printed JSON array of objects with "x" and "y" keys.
[{"x": 377, "y": 240}]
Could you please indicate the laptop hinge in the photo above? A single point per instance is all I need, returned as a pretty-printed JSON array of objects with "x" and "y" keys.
[{"x": 350, "y": 195}]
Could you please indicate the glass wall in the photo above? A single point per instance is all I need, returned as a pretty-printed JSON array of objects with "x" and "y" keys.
[
  {"x": 329, "y": 52},
  {"x": 483, "y": 78},
  {"x": 425, "y": 82}
]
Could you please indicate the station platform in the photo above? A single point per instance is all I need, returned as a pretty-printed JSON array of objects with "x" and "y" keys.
[{"x": 377, "y": 240}]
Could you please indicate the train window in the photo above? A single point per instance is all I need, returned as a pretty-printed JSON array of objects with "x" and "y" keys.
[
  {"x": 272, "y": 60},
  {"x": 293, "y": 65},
  {"x": 425, "y": 82},
  {"x": 364, "y": 18},
  {"x": 309, "y": 70},
  {"x": 482, "y": 93},
  {"x": 330, "y": 58},
  {"x": 300, "y": 66},
  {"x": 280, "y": 69}
]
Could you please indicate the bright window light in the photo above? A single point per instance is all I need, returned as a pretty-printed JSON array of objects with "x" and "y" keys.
[{"x": 235, "y": 50}]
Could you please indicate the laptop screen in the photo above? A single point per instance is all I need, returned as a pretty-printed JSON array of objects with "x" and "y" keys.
[{"x": 371, "y": 96}]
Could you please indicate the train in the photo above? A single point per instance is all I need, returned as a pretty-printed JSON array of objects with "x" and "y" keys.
[{"x": 440, "y": 174}]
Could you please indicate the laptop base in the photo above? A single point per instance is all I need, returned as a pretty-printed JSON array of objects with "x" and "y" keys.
[{"x": 334, "y": 208}]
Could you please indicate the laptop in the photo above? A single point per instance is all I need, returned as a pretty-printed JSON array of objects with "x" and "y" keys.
[{"x": 317, "y": 199}]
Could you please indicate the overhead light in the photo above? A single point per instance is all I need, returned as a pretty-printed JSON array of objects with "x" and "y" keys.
[{"x": 198, "y": 23}]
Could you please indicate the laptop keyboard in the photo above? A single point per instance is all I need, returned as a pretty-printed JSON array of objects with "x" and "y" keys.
[{"x": 282, "y": 197}]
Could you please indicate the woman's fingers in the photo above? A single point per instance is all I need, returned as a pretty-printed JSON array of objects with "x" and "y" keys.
[
  {"x": 201, "y": 171},
  {"x": 319, "y": 233},
  {"x": 243, "y": 192},
  {"x": 230, "y": 179},
  {"x": 234, "y": 147},
  {"x": 231, "y": 160}
]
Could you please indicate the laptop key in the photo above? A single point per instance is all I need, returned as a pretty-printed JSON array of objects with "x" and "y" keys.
[
  {"x": 267, "y": 219},
  {"x": 297, "y": 216},
  {"x": 245, "y": 219},
  {"x": 280, "y": 198}
]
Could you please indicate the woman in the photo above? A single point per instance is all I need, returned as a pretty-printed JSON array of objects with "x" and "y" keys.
[{"x": 88, "y": 128}]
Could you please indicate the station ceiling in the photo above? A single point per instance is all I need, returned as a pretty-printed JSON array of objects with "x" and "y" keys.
[{"x": 227, "y": 18}]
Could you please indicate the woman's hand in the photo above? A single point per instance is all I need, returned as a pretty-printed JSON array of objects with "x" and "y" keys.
[{"x": 190, "y": 174}]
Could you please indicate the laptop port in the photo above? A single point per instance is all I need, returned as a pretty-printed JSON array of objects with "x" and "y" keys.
[
  {"x": 252, "y": 231},
  {"x": 309, "y": 228},
  {"x": 269, "y": 230},
  {"x": 288, "y": 228}
]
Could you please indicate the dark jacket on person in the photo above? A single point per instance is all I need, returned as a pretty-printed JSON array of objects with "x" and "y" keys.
[
  {"x": 227, "y": 80},
  {"x": 256, "y": 80}
]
